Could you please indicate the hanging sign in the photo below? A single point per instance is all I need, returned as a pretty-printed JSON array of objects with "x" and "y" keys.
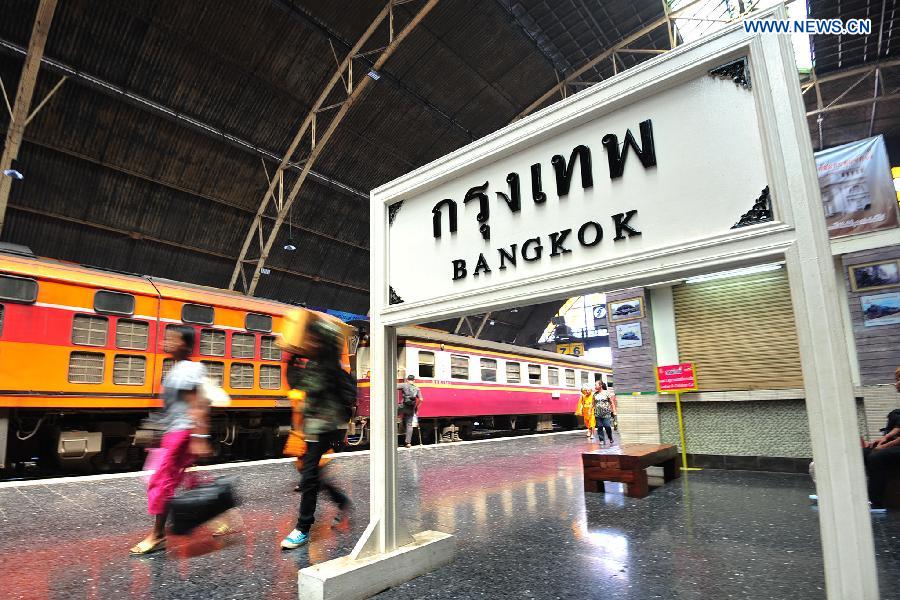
[
  {"x": 857, "y": 190},
  {"x": 623, "y": 181},
  {"x": 576, "y": 349},
  {"x": 676, "y": 378}
]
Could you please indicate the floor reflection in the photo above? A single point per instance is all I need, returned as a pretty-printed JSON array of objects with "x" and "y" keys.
[{"x": 525, "y": 527}]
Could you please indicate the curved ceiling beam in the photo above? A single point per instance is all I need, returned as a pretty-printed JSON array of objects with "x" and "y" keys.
[
  {"x": 18, "y": 112},
  {"x": 354, "y": 91},
  {"x": 609, "y": 53},
  {"x": 116, "y": 91}
]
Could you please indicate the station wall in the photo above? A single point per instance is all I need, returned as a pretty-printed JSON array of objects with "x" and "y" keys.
[
  {"x": 740, "y": 333},
  {"x": 877, "y": 347}
]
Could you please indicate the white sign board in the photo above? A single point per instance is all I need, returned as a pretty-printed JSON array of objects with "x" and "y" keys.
[
  {"x": 727, "y": 120},
  {"x": 680, "y": 166}
]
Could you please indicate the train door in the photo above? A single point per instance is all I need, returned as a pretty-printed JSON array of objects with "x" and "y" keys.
[
  {"x": 401, "y": 363},
  {"x": 362, "y": 363}
]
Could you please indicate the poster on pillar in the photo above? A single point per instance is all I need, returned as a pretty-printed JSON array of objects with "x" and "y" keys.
[
  {"x": 620, "y": 181},
  {"x": 857, "y": 190}
]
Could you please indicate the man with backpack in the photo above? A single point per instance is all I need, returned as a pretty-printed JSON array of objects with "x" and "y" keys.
[
  {"x": 410, "y": 400},
  {"x": 330, "y": 396}
]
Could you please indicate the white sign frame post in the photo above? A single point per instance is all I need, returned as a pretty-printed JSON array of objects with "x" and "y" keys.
[{"x": 796, "y": 235}]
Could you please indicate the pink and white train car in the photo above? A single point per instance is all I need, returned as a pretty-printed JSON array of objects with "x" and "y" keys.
[{"x": 466, "y": 381}]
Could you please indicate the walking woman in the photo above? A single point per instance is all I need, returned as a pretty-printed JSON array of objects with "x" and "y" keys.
[
  {"x": 603, "y": 413},
  {"x": 186, "y": 419},
  {"x": 585, "y": 410}
]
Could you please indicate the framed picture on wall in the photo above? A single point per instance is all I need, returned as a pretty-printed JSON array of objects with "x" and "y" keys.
[
  {"x": 625, "y": 310},
  {"x": 875, "y": 275},
  {"x": 629, "y": 335},
  {"x": 881, "y": 309}
]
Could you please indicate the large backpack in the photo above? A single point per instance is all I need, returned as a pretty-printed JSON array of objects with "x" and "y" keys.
[
  {"x": 409, "y": 402},
  {"x": 345, "y": 391}
]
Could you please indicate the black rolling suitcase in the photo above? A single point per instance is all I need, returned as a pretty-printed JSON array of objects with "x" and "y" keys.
[{"x": 193, "y": 507}]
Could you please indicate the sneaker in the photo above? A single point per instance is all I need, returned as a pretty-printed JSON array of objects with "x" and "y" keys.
[
  {"x": 294, "y": 539},
  {"x": 876, "y": 508},
  {"x": 813, "y": 498}
]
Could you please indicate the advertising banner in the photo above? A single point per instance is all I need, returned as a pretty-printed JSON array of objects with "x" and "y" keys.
[{"x": 857, "y": 189}]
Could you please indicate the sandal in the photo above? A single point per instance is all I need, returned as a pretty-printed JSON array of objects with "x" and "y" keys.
[{"x": 146, "y": 547}]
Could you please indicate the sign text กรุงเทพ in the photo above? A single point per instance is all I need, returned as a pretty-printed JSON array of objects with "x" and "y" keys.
[{"x": 588, "y": 235}]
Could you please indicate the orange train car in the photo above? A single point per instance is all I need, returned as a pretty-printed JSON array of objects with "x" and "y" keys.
[{"x": 81, "y": 362}]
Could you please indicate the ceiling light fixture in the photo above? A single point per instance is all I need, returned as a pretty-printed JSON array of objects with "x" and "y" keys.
[
  {"x": 735, "y": 273},
  {"x": 13, "y": 173},
  {"x": 290, "y": 246},
  {"x": 374, "y": 74}
]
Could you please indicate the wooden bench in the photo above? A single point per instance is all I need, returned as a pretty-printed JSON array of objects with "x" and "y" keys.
[{"x": 627, "y": 464}]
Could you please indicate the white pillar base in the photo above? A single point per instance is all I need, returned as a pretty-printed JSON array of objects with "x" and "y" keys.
[{"x": 347, "y": 579}]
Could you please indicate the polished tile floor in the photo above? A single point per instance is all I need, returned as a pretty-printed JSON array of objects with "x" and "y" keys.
[{"x": 525, "y": 528}]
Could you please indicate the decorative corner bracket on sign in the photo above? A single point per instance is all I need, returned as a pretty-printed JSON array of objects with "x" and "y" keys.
[
  {"x": 737, "y": 71},
  {"x": 760, "y": 213},
  {"x": 394, "y": 298},
  {"x": 393, "y": 209}
]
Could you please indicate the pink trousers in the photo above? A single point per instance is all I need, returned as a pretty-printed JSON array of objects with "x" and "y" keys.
[{"x": 175, "y": 457}]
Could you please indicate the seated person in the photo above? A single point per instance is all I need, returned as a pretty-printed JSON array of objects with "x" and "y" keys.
[{"x": 882, "y": 456}]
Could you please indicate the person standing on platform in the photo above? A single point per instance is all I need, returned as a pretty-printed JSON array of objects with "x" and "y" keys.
[
  {"x": 186, "y": 419},
  {"x": 615, "y": 406},
  {"x": 883, "y": 455},
  {"x": 410, "y": 401},
  {"x": 603, "y": 412},
  {"x": 330, "y": 394},
  {"x": 585, "y": 410}
]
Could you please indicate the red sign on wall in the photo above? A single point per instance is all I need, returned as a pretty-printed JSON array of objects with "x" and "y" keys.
[{"x": 676, "y": 378}]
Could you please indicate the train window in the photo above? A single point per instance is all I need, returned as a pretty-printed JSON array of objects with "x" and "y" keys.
[
  {"x": 256, "y": 322},
  {"x": 553, "y": 375},
  {"x": 132, "y": 335},
  {"x": 243, "y": 345},
  {"x": 115, "y": 303},
  {"x": 270, "y": 377},
  {"x": 488, "y": 369},
  {"x": 513, "y": 372},
  {"x": 426, "y": 364},
  {"x": 197, "y": 313},
  {"x": 129, "y": 370},
  {"x": 215, "y": 370},
  {"x": 168, "y": 363},
  {"x": 212, "y": 342},
  {"x": 85, "y": 367},
  {"x": 534, "y": 374},
  {"x": 570, "y": 377},
  {"x": 459, "y": 366},
  {"x": 585, "y": 379},
  {"x": 241, "y": 375},
  {"x": 597, "y": 377},
  {"x": 18, "y": 289},
  {"x": 88, "y": 330},
  {"x": 609, "y": 382},
  {"x": 268, "y": 348}
]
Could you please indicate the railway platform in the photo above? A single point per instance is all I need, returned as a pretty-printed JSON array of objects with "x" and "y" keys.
[{"x": 526, "y": 529}]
